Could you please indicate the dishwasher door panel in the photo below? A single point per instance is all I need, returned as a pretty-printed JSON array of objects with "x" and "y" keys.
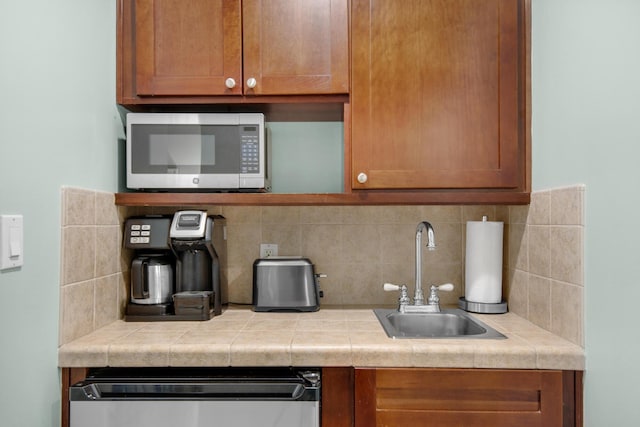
[{"x": 194, "y": 413}]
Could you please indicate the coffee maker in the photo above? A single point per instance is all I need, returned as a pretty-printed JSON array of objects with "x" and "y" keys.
[
  {"x": 152, "y": 266},
  {"x": 198, "y": 242}
]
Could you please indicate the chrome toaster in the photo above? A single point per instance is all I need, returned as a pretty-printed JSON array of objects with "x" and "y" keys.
[{"x": 285, "y": 284}]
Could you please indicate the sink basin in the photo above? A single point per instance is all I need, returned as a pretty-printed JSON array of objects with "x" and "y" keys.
[{"x": 449, "y": 323}]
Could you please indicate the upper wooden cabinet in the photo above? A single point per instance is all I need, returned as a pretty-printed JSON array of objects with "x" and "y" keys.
[
  {"x": 186, "y": 48},
  {"x": 296, "y": 46},
  {"x": 439, "y": 95},
  {"x": 208, "y": 51}
]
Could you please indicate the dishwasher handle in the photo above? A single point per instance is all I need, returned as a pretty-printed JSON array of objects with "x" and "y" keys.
[{"x": 282, "y": 391}]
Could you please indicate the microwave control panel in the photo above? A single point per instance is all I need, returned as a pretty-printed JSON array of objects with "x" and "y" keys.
[{"x": 250, "y": 150}]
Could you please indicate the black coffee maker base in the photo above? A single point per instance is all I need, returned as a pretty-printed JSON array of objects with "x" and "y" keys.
[{"x": 162, "y": 312}]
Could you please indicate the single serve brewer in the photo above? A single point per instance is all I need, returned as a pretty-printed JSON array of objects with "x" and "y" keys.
[{"x": 198, "y": 242}]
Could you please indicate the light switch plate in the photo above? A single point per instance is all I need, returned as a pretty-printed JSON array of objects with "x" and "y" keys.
[{"x": 11, "y": 241}]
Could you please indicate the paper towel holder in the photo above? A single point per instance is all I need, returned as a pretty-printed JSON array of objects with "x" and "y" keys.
[
  {"x": 482, "y": 307},
  {"x": 491, "y": 288}
]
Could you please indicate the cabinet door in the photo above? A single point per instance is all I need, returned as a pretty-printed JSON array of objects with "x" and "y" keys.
[
  {"x": 296, "y": 47},
  {"x": 459, "y": 397},
  {"x": 436, "y": 94},
  {"x": 187, "y": 48}
]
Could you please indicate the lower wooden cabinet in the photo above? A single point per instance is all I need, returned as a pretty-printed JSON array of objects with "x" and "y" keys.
[
  {"x": 467, "y": 397},
  {"x": 337, "y": 405}
]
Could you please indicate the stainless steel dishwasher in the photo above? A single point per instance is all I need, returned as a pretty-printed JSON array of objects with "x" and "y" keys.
[{"x": 149, "y": 397}]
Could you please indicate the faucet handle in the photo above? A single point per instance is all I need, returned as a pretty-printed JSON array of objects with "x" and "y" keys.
[
  {"x": 446, "y": 287},
  {"x": 404, "y": 299},
  {"x": 390, "y": 287},
  {"x": 433, "y": 294}
]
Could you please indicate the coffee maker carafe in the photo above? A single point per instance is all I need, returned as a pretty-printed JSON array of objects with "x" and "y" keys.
[
  {"x": 151, "y": 279},
  {"x": 199, "y": 244}
]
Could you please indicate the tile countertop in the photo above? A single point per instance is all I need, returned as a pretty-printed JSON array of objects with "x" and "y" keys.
[{"x": 333, "y": 336}]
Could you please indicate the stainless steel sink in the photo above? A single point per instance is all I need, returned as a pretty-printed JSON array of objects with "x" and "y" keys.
[{"x": 449, "y": 323}]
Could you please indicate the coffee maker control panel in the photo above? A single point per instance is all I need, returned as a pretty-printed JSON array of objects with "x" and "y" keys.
[{"x": 147, "y": 232}]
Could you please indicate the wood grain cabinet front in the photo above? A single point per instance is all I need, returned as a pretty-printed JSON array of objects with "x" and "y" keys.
[
  {"x": 465, "y": 397},
  {"x": 196, "y": 51},
  {"x": 185, "y": 48},
  {"x": 438, "y": 97}
]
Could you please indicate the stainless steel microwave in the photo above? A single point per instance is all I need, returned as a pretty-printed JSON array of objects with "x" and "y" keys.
[{"x": 197, "y": 152}]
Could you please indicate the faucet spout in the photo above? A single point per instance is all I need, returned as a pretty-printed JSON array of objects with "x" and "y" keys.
[
  {"x": 431, "y": 245},
  {"x": 431, "y": 240}
]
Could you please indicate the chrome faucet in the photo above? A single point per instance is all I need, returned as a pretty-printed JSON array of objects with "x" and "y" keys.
[
  {"x": 418, "y": 306},
  {"x": 418, "y": 298}
]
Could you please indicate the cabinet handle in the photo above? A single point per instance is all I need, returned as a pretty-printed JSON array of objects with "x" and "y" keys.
[
  {"x": 362, "y": 177},
  {"x": 230, "y": 83},
  {"x": 251, "y": 83}
]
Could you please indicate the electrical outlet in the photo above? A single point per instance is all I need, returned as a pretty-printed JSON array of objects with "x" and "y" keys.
[{"x": 268, "y": 250}]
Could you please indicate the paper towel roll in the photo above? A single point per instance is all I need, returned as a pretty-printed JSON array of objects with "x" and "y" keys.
[{"x": 483, "y": 272}]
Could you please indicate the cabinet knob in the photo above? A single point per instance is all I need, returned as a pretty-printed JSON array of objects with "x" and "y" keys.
[
  {"x": 230, "y": 83},
  {"x": 362, "y": 177},
  {"x": 251, "y": 83}
]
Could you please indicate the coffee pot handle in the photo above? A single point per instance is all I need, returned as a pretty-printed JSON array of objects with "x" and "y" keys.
[{"x": 139, "y": 282}]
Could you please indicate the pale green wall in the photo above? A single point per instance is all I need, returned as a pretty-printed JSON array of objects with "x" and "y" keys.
[
  {"x": 57, "y": 127},
  {"x": 586, "y": 129},
  {"x": 307, "y": 157}
]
